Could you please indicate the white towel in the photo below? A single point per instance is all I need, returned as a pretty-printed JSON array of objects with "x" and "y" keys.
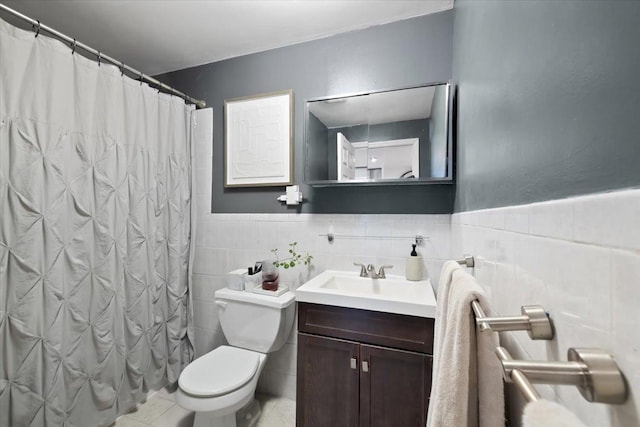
[
  {"x": 545, "y": 413},
  {"x": 467, "y": 387}
]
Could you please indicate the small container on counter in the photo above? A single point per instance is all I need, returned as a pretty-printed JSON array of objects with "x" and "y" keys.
[
  {"x": 235, "y": 279},
  {"x": 414, "y": 266},
  {"x": 252, "y": 280}
]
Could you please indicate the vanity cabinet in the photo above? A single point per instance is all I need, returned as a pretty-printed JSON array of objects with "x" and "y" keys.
[{"x": 360, "y": 368}]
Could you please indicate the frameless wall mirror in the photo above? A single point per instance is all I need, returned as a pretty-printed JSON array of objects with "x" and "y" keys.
[{"x": 390, "y": 137}]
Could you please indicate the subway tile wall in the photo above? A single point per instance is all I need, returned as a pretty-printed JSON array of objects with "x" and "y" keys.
[
  {"x": 580, "y": 259},
  {"x": 225, "y": 242}
]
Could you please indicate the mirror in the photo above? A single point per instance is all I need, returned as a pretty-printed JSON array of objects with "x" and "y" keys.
[{"x": 396, "y": 136}]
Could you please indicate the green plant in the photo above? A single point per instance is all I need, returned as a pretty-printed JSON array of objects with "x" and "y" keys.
[{"x": 293, "y": 258}]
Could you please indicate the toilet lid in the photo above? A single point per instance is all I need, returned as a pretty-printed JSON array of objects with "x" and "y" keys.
[{"x": 219, "y": 372}]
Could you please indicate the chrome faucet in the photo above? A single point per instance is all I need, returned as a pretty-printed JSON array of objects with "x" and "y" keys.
[
  {"x": 363, "y": 269},
  {"x": 381, "y": 273},
  {"x": 370, "y": 271}
]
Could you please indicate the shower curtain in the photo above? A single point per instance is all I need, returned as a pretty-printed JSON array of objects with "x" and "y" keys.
[{"x": 95, "y": 205}]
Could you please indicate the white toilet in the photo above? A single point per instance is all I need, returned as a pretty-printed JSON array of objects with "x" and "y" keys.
[{"x": 219, "y": 383}]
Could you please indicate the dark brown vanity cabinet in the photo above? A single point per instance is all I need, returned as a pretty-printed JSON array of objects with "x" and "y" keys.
[{"x": 360, "y": 368}]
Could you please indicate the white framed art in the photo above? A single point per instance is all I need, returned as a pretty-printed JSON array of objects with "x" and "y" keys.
[{"x": 258, "y": 140}]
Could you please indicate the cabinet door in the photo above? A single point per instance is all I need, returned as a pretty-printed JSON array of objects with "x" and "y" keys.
[
  {"x": 327, "y": 383},
  {"x": 394, "y": 387}
]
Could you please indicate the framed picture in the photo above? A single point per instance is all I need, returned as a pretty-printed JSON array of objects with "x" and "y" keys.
[{"x": 258, "y": 140}]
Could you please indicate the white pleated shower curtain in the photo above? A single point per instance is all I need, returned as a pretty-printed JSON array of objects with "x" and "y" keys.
[{"x": 95, "y": 205}]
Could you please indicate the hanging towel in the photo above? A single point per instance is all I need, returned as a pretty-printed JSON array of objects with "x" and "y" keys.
[
  {"x": 545, "y": 413},
  {"x": 467, "y": 387}
]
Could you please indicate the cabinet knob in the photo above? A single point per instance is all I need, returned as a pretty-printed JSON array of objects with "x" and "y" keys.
[
  {"x": 365, "y": 366},
  {"x": 354, "y": 363}
]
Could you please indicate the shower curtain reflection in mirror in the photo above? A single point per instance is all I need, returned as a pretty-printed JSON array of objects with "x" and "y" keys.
[{"x": 95, "y": 200}]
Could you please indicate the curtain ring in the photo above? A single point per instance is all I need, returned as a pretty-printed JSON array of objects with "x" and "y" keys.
[
  {"x": 122, "y": 69},
  {"x": 141, "y": 77},
  {"x": 38, "y": 29},
  {"x": 73, "y": 46},
  {"x": 99, "y": 59}
]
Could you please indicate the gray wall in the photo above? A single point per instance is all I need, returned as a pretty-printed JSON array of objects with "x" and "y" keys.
[
  {"x": 405, "y": 53},
  {"x": 548, "y": 99}
]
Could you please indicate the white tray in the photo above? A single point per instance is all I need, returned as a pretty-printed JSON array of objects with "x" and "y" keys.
[{"x": 282, "y": 288}]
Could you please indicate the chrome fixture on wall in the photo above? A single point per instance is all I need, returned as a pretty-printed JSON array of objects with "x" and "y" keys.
[
  {"x": 467, "y": 261},
  {"x": 592, "y": 370},
  {"x": 534, "y": 320},
  {"x": 418, "y": 238}
]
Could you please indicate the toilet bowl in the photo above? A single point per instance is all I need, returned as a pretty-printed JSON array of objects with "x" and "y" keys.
[{"x": 219, "y": 383}]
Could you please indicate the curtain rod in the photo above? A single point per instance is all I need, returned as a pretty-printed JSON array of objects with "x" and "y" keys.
[{"x": 101, "y": 56}]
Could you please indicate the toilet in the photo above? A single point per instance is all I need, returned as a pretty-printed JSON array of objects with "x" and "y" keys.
[{"x": 219, "y": 383}]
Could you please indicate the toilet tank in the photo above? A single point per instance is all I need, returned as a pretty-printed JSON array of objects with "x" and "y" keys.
[{"x": 254, "y": 321}]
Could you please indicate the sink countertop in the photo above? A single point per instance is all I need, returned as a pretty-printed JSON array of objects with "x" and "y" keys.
[{"x": 394, "y": 294}]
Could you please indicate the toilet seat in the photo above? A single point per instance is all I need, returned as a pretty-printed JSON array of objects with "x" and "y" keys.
[{"x": 219, "y": 372}]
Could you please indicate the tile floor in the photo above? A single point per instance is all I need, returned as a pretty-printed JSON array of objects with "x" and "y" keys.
[{"x": 161, "y": 410}]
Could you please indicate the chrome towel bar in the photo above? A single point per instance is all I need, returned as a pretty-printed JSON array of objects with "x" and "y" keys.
[
  {"x": 517, "y": 377},
  {"x": 534, "y": 320},
  {"x": 592, "y": 370},
  {"x": 418, "y": 238},
  {"x": 467, "y": 261}
]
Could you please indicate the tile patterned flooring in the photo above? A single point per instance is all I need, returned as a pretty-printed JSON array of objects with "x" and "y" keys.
[{"x": 161, "y": 410}]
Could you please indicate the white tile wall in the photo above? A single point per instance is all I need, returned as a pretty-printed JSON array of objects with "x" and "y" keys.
[
  {"x": 580, "y": 259},
  {"x": 225, "y": 242},
  {"x": 233, "y": 241}
]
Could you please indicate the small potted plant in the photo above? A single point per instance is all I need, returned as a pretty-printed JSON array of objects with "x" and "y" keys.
[
  {"x": 293, "y": 259},
  {"x": 270, "y": 276}
]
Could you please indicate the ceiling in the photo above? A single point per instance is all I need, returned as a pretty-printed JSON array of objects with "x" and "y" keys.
[
  {"x": 383, "y": 107},
  {"x": 157, "y": 36}
]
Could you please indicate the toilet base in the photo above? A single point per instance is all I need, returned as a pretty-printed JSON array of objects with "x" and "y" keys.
[
  {"x": 207, "y": 419},
  {"x": 249, "y": 415}
]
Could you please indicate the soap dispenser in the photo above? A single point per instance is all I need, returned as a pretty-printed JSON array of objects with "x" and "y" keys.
[{"x": 414, "y": 265}]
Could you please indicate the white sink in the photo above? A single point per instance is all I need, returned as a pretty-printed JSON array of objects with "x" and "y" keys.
[{"x": 395, "y": 294}]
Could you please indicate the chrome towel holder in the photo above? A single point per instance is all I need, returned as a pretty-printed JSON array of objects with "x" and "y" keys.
[
  {"x": 467, "y": 261},
  {"x": 534, "y": 320},
  {"x": 418, "y": 238},
  {"x": 592, "y": 370}
]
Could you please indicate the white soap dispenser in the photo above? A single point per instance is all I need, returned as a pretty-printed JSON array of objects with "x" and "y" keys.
[{"x": 414, "y": 265}]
